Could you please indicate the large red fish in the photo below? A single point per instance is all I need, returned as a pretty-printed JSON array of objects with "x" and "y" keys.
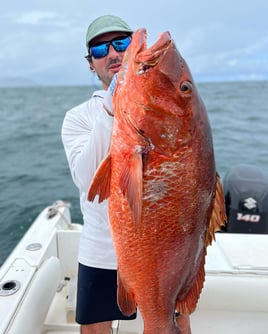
[{"x": 165, "y": 197}]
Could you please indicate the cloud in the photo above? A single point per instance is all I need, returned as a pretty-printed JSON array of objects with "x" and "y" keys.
[
  {"x": 34, "y": 18},
  {"x": 38, "y": 18},
  {"x": 220, "y": 40}
]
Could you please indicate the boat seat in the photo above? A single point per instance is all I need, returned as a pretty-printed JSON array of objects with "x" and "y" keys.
[{"x": 34, "y": 307}]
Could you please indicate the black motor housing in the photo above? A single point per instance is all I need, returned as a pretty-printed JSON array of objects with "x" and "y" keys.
[{"x": 246, "y": 199}]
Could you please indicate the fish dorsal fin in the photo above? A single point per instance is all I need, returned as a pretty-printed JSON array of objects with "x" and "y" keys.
[
  {"x": 218, "y": 216},
  {"x": 131, "y": 186},
  {"x": 100, "y": 185}
]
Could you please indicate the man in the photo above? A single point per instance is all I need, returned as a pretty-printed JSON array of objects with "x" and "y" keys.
[{"x": 86, "y": 134}]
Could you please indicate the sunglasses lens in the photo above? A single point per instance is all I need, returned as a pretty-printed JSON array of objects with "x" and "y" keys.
[
  {"x": 121, "y": 44},
  {"x": 99, "y": 51}
]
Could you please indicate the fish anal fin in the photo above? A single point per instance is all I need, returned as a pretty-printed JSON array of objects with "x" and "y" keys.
[
  {"x": 217, "y": 220},
  {"x": 125, "y": 299},
  {"x": 189, "y": 303},
  {"x": 131, "y": 185},
  {"x": 100, "y": 185},
  {"x": 218, "y": 216}
]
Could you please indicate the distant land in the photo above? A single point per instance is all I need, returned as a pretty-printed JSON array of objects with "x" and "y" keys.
[
  {"x": 13, "y": 82},
  {"x": 17, "y": 82}
]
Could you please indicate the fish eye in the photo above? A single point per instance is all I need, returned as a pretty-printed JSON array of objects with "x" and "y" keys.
[{"x": 186, "y": 87}]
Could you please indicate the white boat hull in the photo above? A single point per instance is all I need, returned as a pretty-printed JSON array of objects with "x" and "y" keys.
[{"x": 43, "y": 269}]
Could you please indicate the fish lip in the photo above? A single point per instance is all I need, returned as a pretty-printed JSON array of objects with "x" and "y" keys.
[{"x": 147, "y": 58}]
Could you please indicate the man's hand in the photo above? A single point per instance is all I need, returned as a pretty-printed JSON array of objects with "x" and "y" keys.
[{"x": 108, "y": 98}]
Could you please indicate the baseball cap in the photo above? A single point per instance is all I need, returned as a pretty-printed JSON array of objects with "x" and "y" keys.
[{"x": 104, "y": 24}]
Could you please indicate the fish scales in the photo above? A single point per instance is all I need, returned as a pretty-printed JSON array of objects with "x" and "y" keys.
[{"x": 165, "y": 196}]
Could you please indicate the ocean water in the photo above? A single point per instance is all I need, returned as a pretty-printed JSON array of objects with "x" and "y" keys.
[{"x": 33, "y": 167}]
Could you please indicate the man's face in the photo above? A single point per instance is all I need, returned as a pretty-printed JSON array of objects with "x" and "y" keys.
[{"x": 107, "y": 66}]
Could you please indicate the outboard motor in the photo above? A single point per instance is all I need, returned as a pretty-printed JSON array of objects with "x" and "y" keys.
[{"x": 246, "y": 199}]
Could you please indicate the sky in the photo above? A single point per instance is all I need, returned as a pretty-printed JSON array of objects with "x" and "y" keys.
[{"x": 43, "y": 42}]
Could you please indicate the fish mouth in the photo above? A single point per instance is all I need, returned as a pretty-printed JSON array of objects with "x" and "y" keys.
[{"x": 147, "y": 58}]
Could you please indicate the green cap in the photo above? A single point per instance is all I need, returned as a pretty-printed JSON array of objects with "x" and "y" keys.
[{"x": 104, "y": 24}]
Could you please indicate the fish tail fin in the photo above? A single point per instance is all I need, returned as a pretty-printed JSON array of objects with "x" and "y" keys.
[
  {"x": 218, "y": 216},
  {"x": 131, "y": 186},
  {"x": 125, "y": 299},
  {"x": 100, "y": 184},
  {"x": 188, "y": 304}
]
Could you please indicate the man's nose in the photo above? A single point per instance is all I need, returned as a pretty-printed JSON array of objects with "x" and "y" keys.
[{"x": 112, "y": 51}]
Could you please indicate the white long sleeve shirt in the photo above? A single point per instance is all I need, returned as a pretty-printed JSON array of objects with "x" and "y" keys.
[{"x": 86, "y": 134}]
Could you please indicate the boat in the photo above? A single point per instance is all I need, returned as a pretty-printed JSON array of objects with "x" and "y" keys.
[{"x": 38, "y": 281}]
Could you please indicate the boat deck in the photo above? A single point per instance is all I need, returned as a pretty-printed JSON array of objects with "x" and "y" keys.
[{"x": 61, "y": 315}]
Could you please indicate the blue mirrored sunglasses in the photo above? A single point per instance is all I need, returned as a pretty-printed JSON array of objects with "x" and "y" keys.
[{"x": 101, "y": 50}]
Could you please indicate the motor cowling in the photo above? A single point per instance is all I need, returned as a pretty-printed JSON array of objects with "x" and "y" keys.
[{"x": 246, "y": 199}]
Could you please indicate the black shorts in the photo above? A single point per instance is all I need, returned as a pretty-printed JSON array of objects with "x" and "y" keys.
[{"x": 97, "y": 296}]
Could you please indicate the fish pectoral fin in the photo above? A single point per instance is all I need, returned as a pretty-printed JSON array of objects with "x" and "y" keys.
[
  {"x": 100, "y": 185},
  {"x": 125, "y": 299},
  {"x": 131, "y": 186},
  {"x": 218, "y": 217}
]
